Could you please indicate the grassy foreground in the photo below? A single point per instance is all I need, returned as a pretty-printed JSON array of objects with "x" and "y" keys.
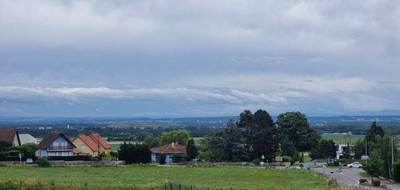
[{"x": 154, "y": 176}]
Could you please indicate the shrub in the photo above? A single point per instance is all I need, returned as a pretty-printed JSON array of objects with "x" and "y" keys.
[
  {"x": 376, "y": 183},
  {"x": 256, "y": 161},
  {"x": 162, "y": 159},
  {"x": 43, "y": 163}
]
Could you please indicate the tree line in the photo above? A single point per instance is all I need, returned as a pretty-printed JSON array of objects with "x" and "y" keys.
[{"x": 257, "y": 136}]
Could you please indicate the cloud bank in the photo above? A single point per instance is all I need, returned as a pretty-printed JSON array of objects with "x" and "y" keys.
[{"x": 197, "y": 58}]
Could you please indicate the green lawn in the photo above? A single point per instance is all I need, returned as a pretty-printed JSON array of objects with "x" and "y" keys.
[{"x": 147, "y": 176}]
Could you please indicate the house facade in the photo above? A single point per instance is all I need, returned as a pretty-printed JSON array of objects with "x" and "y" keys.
[
  {"x": 92, "y": 145},
  {"x": 55, "y": 145},
  {"x": 10, "y": 135},
  {"x": 344, "y": 148},
  {"x": 167, "y": 152}
]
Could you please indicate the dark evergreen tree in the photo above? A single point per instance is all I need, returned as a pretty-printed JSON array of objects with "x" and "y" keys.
[
  {"x": 374, "y": 131},
  {"x": 263, "y": 136},
  {"x": 191, "y": 150}
]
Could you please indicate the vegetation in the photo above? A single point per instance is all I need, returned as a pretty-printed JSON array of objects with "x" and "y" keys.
[
  {"x": 326, "y": 149},
  {"x": 180, "y": 136},
  {"x": 383, "y": 151},
  {"x": 295, "y": 132},
  {"x": 152, "y": 176},
  {"x": 43, "y": 163},
  {"x": 134, "y": 153},
  {"x": 191, "y": 150}
]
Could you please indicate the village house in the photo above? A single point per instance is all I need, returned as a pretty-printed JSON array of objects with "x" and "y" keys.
[
  {"x": 342, "y": 149},
  {"x": 27, "y": 139},
  {"x": 10, "y": 135},
  {"x": 56, "y": 145},
  {"x": 91, "y": 145},
  {"x": 167, "y": 152}
]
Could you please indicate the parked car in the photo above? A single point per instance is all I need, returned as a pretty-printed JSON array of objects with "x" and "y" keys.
[{"x": 354, "y": 165}]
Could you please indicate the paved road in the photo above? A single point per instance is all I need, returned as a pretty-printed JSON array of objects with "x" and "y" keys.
[{"x": 345, "y": 176}]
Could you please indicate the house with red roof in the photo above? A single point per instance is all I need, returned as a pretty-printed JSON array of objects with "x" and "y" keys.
[
  {"x": 55, "y": 144},
  {"x": 167, "y": 152},
  {"x": 92, "y": 145},
  {"x": 10, "y": 135}
]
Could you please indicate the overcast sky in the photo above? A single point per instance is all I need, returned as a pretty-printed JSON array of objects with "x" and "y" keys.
[{"x": 145, "y": 58}]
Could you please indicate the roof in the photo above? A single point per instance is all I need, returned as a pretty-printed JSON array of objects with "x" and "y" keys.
[
  {"x": 27, "y": 138},
  {"x": 172, "y": 148},
  {"x": 8, "y": 134},
  {"x": 89, "y": 142},
  {"x": 97, "y": 138},
  {"x": 46, "y": 142}
]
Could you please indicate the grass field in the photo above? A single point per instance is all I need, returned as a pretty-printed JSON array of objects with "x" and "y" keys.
[
  {"x": 146, "y": 176},
  {"x": 342, "y": 138}
]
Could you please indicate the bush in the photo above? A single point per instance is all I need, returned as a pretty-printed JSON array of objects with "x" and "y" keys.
[
  {"x": 376, "y": 183},
  {"x": 287, "y": 159},
  {"x": 256, "y": 161},
  {"x": 43, "y": 163},
  {"x": 396, "y": 171},
  {"x": 162, "y": 159},
  {"x": 178, "y": 158}
]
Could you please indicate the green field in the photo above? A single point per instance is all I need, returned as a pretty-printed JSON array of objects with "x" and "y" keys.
[
  {"x": 153, "y": 176},
  {"x": 342, "y": 138}
]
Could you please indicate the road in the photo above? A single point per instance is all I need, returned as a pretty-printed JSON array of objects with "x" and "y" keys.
[
  {"x": 351, "y": 176},
  {"x": 345, "y": 176}
]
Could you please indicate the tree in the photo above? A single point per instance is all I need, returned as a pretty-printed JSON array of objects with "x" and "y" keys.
[
  {"x": 325, "y": 150},
  {"x": 374, "y": 131},
  {"x": 294, "y": 127},
  {"x": 151, "y": 141},
  {"x": 288, "y": 149},
  {"x": 359, "y": 149},
  {"x": 191, "y": 150},
  {"x": 27, "y": 150},
  {"x": 374, "y": 165},
  {"x": 134, "y": 153},
  {"x": 384, "y": 148},
  {"x": 180, "y": 136},
  {"x": 263, "y": 138},
  {"x": 229, "y": 144}
]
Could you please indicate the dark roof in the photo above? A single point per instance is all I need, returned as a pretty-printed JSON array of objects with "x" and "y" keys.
[
  {"x": 46, "y": 142},
  {"x": 8, "y": 135},
  {"x": 172, "y": 148}
]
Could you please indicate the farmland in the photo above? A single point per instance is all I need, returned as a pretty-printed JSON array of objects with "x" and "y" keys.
[{"x": 153, "y": 176}]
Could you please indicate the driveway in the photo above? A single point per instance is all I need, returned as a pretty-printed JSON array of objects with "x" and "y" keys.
[{"x": 345, "y": 176}]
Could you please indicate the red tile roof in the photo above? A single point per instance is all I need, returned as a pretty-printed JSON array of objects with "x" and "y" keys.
[
  {"x": 97, "y": 138},
  {"x": 172, "y": 148},
  {"x": 8, "y": 134},
  {"x": 89, "y": 142}
]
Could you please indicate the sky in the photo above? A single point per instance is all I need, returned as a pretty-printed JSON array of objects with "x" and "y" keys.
[{"x": 145, "y": 58}]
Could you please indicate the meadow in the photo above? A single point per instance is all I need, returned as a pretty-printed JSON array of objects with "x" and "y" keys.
[
  {"x": 157, "y": 176},
  {"x": 339, "y": 138}
]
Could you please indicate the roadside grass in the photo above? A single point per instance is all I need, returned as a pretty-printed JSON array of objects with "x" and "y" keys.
[{"x": 155, "y": 176}]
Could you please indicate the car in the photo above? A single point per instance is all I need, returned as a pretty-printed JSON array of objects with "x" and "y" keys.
[{"x": 354, "y": 165}]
